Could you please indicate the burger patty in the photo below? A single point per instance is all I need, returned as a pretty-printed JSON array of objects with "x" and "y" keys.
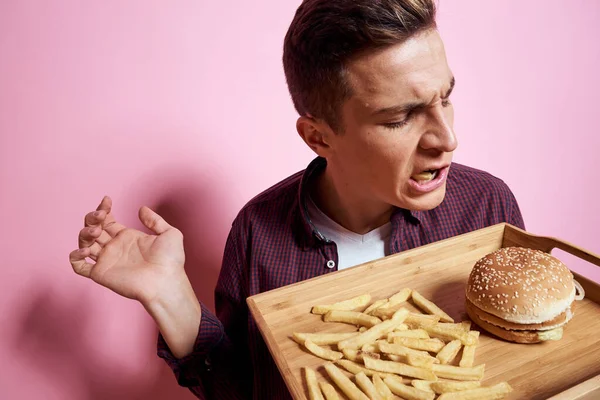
[
  {"x": 520, "y": 336},
  {"x": 560, "y": 320}
]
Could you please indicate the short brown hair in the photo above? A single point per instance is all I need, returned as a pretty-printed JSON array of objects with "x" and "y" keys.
[{"x": 326, "y": 34}]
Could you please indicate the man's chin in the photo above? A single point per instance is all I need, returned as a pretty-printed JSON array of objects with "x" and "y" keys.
[{"x": 425, "y": 201}]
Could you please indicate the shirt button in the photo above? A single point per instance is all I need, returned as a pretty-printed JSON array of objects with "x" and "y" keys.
[{"x": 330, "y": 264}]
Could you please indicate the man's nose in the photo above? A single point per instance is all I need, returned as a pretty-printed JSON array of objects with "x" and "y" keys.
[{"x": 440, "y": 131}]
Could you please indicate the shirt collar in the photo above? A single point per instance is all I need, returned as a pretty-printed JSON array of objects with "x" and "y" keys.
[{"x": 311, "y": 235}]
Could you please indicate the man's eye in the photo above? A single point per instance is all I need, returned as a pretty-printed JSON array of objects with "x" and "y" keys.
[
  {"x": 396, "y": 125},
  {"x": 399, "y": 124},
  {"x": 446, "y": 102}
]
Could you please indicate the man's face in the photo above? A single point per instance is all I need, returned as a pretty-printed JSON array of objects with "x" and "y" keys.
[{"x": 398, "y": 124}]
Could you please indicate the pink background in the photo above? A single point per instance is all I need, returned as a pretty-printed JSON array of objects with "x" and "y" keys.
[{"x": 182, "y": 105}]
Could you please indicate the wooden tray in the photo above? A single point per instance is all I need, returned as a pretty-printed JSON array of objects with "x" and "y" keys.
[{"x": 565, "y": 369}]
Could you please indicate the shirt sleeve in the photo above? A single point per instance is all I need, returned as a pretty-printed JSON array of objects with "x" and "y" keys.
[
  {"x": 219, "y": 365},
  {"x": 515, "y": 217}
]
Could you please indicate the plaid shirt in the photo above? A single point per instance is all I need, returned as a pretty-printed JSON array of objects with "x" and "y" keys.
[{"x": 273, "y": 243}]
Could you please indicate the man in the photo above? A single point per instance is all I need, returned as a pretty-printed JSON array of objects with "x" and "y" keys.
[{"x": 372, "y": 86}]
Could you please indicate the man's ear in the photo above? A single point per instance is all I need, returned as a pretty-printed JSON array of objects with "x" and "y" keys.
[{"x": 316, "y": 134}]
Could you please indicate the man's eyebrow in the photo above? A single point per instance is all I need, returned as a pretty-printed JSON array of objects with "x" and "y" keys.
[
  {"x": 404, "y": 108},
  {"x": 400, "y": 109},
  {"x": 449, "y": 92}
]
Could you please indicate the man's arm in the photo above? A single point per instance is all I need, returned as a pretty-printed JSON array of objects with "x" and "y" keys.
[
  {"x": 515, "y": 217},
  {"x": 149, "y": 268},
  {"x": 178, "y": 316},
  {"x": 218, "y": 366}
]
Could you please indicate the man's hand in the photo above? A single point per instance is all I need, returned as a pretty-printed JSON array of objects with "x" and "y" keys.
[
  {"x": 129, "y": 262},
  {"x": 147, "y": 268}
]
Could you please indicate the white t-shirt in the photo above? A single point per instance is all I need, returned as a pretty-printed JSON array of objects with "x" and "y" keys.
[{"x": 353, "y": 248}]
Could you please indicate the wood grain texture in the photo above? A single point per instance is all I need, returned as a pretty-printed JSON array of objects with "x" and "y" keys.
[
  {"x": 439, "y": 271},
  {"x": 588, "y": 390}
]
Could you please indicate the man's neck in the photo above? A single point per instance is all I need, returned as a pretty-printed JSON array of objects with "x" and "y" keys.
[{"x": 340, "y": 202}]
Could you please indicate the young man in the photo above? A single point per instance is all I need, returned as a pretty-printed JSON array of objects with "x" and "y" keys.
[{"x": 372, "y": 86}]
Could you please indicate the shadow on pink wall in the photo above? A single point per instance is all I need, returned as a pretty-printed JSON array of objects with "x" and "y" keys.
[
  {"x": 204, "y": 234},
  {"x": 49, "y": 333},
  {"x": 49, "y": 337}
]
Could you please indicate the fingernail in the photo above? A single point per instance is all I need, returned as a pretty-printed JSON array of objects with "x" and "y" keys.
[{"x": 96, "y": 213}]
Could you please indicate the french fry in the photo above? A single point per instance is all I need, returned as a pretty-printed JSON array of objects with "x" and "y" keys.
[
  {"x": 430, "y": 307},
  {"x": 322, "y": 352},
  {"x": 396, "y": 300},
  {"x": 411, "y": 333},
  {"x": 468, "y": 354},
  {"x": 375, "y": 305},
  {"x": 415, "y": 320},
  {"x": 400, "y": 315},
  {"x": 401, "y": 327},
  {"x": 450, "y": 350},
  {"x": 322, "y": 339},
  {"x": 351, "y": 317},
  {"x": 393, "y": 367},
  {"x": 314, "y": 392},
  {"x": 355, "y": 368},
  {"x": 495, "y": 392},
  {"x": 401, "y": 296},
  {"x": 433, "y": 345},
  {"x": 357, "y": 355},
  {"x": 328, "y": 391},
  {"x": 397, "y": 358},
  {"x": 419, "y": 361},
  {"x": 414, "y": 360},
  {"x": 350, "y": 304},
  {"x": 382, "y": 388},
  {"x": 400, "y": 350},
  {"x": 370, "y": 348},
  {"x": 367, "y": 386},
  {"x": 422, "y": 385},
  {"x": 450, "y": 386},
  {"x": 464, "y": 326},
  {"x": 407, "y": 392},
  {"x": 375, "y": 332},
  {"x": 384, "y": 312},
  {"x": 344, "y": 383},
  {"x": 459, "y": 373},
  {"x": 441, "y": 332}
]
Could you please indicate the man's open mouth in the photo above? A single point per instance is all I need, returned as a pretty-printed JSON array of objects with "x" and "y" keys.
[{"x": 426, "y": 176}]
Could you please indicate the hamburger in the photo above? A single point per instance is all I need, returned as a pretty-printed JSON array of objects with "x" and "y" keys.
[{"x": 521, "y": 295}]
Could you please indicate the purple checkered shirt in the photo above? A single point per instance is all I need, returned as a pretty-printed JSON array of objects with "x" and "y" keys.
[{"x": 273, "y": 243}]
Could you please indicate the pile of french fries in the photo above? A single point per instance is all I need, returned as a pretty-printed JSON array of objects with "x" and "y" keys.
[{"x": 396, "y": 352}]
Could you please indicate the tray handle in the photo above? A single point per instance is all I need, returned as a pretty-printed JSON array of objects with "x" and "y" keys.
[
  {"x": 575, "y": 250},
  {"x": 546, "y": 244}
]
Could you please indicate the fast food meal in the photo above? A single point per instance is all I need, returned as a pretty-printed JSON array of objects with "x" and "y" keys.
[
  {"x": 395, "y": 351},
  {"x": 521, "y": 295}
]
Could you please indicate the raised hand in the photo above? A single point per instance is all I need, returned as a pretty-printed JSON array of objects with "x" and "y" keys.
[
  {"x": 131, "y": 263},
  {"x": 147, "y": 268}
]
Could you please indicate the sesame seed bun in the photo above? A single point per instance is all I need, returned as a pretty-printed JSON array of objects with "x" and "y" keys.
[{"x": 515, "y": 292}]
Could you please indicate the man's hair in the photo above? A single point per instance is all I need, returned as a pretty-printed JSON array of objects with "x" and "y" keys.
[{"x": 326, "y": 34}]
